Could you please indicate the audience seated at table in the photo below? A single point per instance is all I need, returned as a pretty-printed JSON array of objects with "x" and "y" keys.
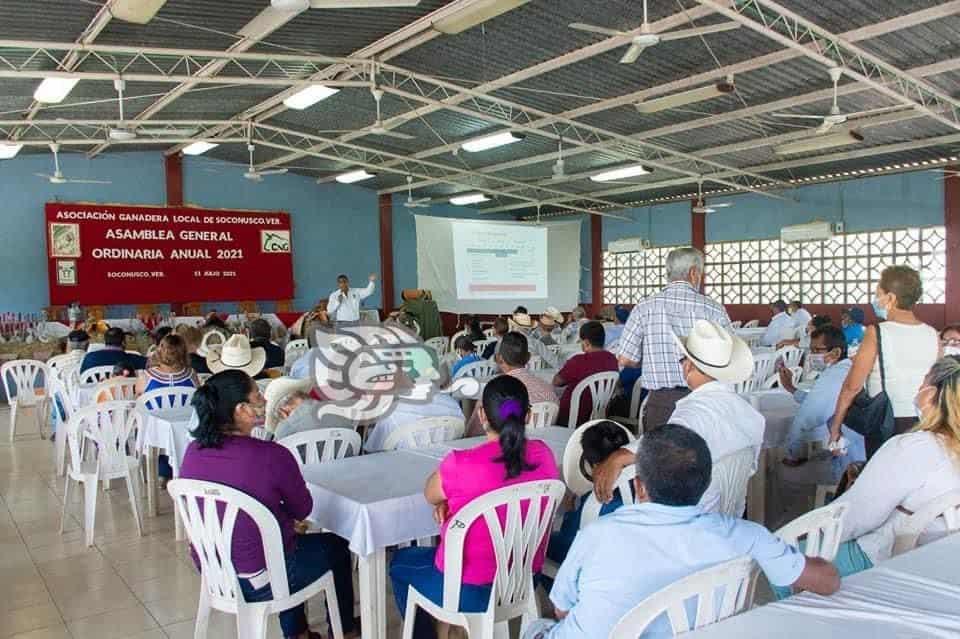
[
  {"x": 597, "y": 442},
  {"x": 950, "y": 340},
  {"x": 500, "y": 328},
  {"x": 828, "y": 358},
  {"x": 260, "y": 333},
  {"x": 910, "y": 348},
  {"x": 193, "y": 336},
  {"x": 851, "y": 320},
  {"x": 410, "y": 410},
  {"x": 507, "y": 458},
  {"x": 77, "y": 340},
  {"x": 544, "y": 330},
  {"x": 713, "y": 409},
  {"x": 801, "y": 317},
  {"x": 594, "y": 359},
  {"x": 113, "y": 351},
  {"x": 554, "y": 314},
  {"x": 571, "y": 330},
  {"x": 803, "y": 341},
  {"x": 466, "y": 354},
  {"x": 616, "y": 318},
  {"x": 781, "y": 326},
  {"x": 228, "y": 408},
  {"x": 908, "y": 471},
  {"x": 124, "y": 369},
  {"x": 474, "y": 331},
  {"x": 169, "y": 366},
  {"x": 628, "y": 555},
  {"x": 512, "y": 360},
  {"x": 523, "y": 324},
  {"x": 291, "y": 410}
]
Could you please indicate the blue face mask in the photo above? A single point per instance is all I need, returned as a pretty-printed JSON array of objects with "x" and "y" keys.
[{"x": 879, "y": 310}]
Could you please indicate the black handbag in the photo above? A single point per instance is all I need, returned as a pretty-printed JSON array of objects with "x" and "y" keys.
[{"x": 872, "y": 417}]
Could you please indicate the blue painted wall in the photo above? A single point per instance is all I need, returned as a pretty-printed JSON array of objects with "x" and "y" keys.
[{"x": 663, "y": 225}]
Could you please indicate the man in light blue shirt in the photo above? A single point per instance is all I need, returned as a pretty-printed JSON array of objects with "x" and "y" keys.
[
  {"x": 780, "y": 327},
  {"x": 628, "y": 555},
  {"x": 827, "y": 357}
]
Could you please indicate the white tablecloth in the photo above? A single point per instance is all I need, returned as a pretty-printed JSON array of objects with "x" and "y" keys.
[
  {"x": 373, "y": 501},
  {"x": 198, "y": 320},
  {"x": 779, "y": 408},
  {"x": 168, "y": 430},
  {"x": 914, "y": 595}
]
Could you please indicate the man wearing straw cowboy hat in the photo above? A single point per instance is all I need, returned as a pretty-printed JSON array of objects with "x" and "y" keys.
[
  {"x": 712, "y": 361},
  {"x": 522, "y": 323},
  {"x": 236, "y": 354}
]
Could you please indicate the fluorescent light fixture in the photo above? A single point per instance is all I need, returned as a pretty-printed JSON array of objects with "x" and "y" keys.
[
  {"x": 309, "y": 96},
  {"x": 136, "y": 11},
  {"x": 492, "y": 141},
  {"x": 54, "y": 90},
  {"x": 268, "y": 21},
  {"x": 843, "y": 138},
  {"x": 354, "y": 176},
  {"x": 8, "y": 150},
  {"x": 199, "y": 148},
  {"x": 474, "y": 14},
  {"x": 687, "y": 97},
  {"x": 621, "y": 173},
  {"x": 346, "y": 4},
  {"x": 469, "y": 198}
]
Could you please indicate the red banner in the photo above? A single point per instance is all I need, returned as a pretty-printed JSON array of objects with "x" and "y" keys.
[{"x": 115, "y": 254}]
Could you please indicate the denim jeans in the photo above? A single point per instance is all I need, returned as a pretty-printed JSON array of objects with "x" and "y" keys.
[
  {"x": 313, "y": 556},
  {"x": 414, "y": 567},
  {"x": 850, "y": 560}
]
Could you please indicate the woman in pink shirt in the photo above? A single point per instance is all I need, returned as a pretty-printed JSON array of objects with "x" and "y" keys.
[{"x": 506, "y": 458}]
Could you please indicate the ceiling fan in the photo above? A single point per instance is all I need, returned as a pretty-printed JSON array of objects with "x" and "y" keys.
[
  {"x": 559, "y": 169},
  {"x": 257, "y": 176},
  {"x": 377, "y": 127},
  {"x": 58, "y": 177},
  {"x": 412, "y": 202},
  {"x": 647, "y": 38},
  {"x": 835, "y": 116},
  {"x": 126, "y": 131},
  {"x": 701, "y": 207},
  {"x": 302, "y": 5}
]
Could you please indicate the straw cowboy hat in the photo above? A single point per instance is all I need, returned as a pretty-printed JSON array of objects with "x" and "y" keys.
[
  {"x": 520, "y": 320},
  {"x": 553, "y": 313},
  {"x": 717, "y": 353},
  {"x": 236, "y": 354},
  {"x": 212, "y": 340},
  {"x": 547, "y": 322},
  {"x": 571, "y": 467},
  {"x": 277, "y": 393}
]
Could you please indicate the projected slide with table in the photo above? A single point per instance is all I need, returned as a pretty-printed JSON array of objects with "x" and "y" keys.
[{"x": 500, "y": 261}]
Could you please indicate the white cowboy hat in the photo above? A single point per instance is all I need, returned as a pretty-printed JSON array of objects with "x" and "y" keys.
[
  {"x": 277, "y": 392},
  {"x": 212, "y": 339},
  {"x": 553, "y": 313},
  {"x": 717, "y": 353},
  {"x": 573, "y": 476},
  {"x": 522, "y": 320},
  {"x": 236, "y": 354}
]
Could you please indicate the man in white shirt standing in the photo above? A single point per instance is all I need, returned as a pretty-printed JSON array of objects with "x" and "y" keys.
[
  {"x": 781, "y": 327},
  {"x": 712, "y": 361},
  {"x": 344, "y": 303}
]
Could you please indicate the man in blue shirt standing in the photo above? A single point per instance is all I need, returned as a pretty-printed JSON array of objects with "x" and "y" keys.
[
  {"x": 112, "y": 352},
  {"x": 626, "y": 556},
  {"x": 828, "y": 358}
]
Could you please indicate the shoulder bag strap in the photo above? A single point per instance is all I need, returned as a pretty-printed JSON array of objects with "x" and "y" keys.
[{"x": 883, "y": 377}]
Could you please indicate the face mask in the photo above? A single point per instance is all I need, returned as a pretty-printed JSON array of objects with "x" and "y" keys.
[
  {"x": 951, "y": 350},
  {"x": 917, "y": 404},
  {"x": 879, "y": 310},
  {"x": 818, "y": 362}
]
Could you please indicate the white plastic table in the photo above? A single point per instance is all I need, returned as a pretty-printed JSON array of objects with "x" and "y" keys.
[
  {"x": 915, "y": 595},
  {"x": 373, "y": 501},
  {"x": 168, "y": 430}
]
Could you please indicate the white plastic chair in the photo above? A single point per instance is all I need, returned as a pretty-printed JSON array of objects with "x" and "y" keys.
[
  {"x": 95, "y": 375},
  {"x": 516, "y": 541},
  {"x": 482, "y": 370},
  {"x": 212, "y": 538},
  {"x": 636, "y": 407},
  {"x": 543, "y": 414},
  {"x": 425, "y": 432},
  {"x": 295, "y": 349},
  {"x": 482, "y": 344},
  {"x": 752, "y": 324},
  {"x": 263, "y": 383},
  {"x": 791, "y": 356},
  {"x": 453, "y": 338},
  {"x": 491, "y": 333},
  {"x": 322, "y": 444},
  {"x": 438, "y": 344},
  {"x": 21, "y": 380},
  {"x": 570, "y": 463},
  {"x": 820, "y": 530},
  {"x": 118, "y": 388},
  {"x": 946, "y": 506},
  {"x": 731, "y": 474},
  {"x": 736, "y": 325},
  {"x": 726, "y": 584},
  {"x": 63, "y": 406},
  {"x": 763, "y": 365},
  {"x": 57, "y": 362},
  {"x": 796, "y": 373},
  {"x": 165, "y": 398},
  {"x": 98, "y": 441},
  {"x": 601, "y": 387}
]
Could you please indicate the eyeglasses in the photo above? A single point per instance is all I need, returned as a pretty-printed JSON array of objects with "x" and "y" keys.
[
  {"x": 951, "y": 342},
  {"x": 820, "y": 350}
]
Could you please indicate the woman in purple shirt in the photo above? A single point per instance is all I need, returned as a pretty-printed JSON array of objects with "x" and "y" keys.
[{"x": 228, "y": 406}]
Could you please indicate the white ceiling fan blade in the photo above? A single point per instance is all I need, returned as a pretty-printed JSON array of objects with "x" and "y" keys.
[
  {"x": 632, "y": 53},
  {"x": 825, "y": 127},
  {"x": 179, "y": 133},
  {"x": 580, "y": 26},
  {"x": 361, "y": 4},
  {"x": 73, "y": 181},
  {"x": 797, "y": 116},
  {"x": 391, "y": 134},
  {"x": 698, "y": 31},
  {"x": 273, "y": 172},
  {"x": 877, "y": 111},
  {"x": 721, "y": 205}
]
